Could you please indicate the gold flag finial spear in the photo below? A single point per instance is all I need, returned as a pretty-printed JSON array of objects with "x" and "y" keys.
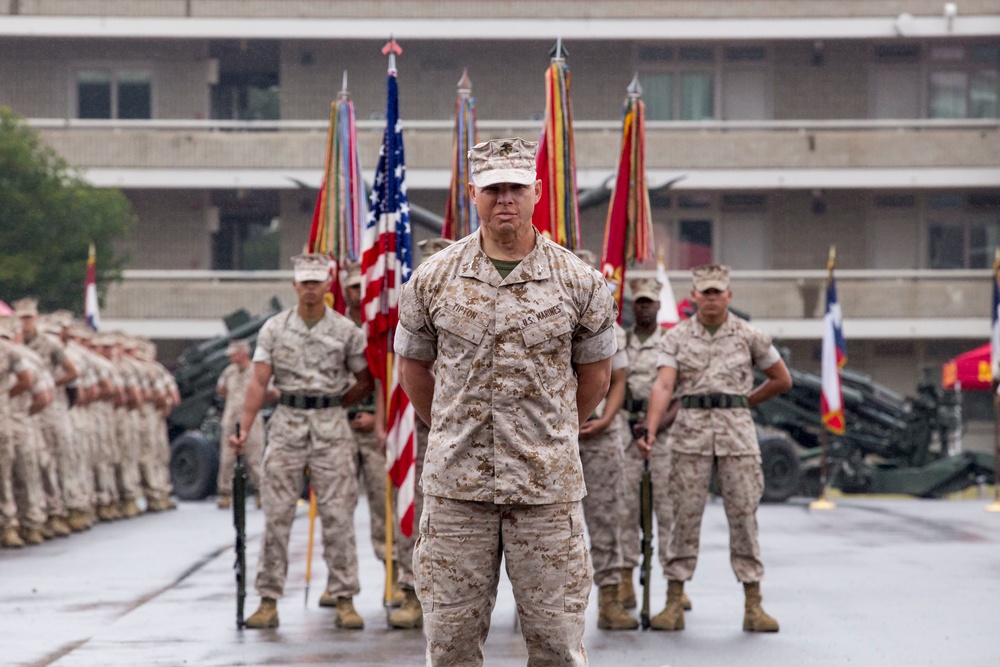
[
  {"x": 832, "y": 259},
  {"x": 996, "y": 261},
  {"x": 465, "y": 84}
]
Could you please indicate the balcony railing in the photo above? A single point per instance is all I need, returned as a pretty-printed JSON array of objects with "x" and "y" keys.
[{"x": 674, "y": 145}]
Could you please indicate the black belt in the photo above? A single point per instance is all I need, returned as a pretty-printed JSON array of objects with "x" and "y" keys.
[
  {"x": 309, "y": 402},
  {"x": 706, "y": 401}
]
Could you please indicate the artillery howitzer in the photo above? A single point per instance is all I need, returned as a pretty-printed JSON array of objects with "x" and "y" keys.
[
  {"x": 891, "y": 443},
  {"x": 194, "y": 424}
]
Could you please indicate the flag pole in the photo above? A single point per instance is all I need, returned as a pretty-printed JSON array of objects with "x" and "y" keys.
[
  {"x": 822, "y": 503},
  {"x": 995, "y": 505}
]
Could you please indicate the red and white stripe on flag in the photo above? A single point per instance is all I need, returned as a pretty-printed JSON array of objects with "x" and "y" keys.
[
  {"x": 386, "y": 263},
  {"x": 834, "y": 356}
]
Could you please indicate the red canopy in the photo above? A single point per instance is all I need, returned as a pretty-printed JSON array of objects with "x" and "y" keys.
[{"x": 972, "y": 369}]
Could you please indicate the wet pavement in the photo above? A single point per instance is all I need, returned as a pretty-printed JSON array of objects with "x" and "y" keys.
[{"x": 874, "y": 582}]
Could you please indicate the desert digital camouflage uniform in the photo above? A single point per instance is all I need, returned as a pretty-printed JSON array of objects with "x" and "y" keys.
[
  {"x": 235, "y": 381},
  {"x": 127, "y": 430},
  {"x": 155, "y": 480},
  {"x": 84, "y": 421},
  {"x": 11, "y": 365},
  {"x": 29, "y": 493},
  {"x": 503, "y": 448},
  {"x": 603, "y": 463},
  {"x": 643, "y": 356},
  {"x": 316, "y": 361},
  {"x": 105, "y": 464},
  {"x": 712, "y": 364}
]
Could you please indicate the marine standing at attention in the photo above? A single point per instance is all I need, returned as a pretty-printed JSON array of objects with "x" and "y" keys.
[
  {"x": 317, "y": 360},
  {"x": 505, "y": 342},
  {"x": 707, "y": 362}
]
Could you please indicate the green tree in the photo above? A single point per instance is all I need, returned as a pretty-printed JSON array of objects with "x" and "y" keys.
[{"x": 49, "y": 216}]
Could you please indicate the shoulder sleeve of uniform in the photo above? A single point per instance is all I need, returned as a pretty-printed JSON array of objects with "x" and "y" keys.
[
  {"x": 415, "y": 337},
  {"x": 762, "y": 350},
  {"x": 669, "y": 344},
  {"x": 265, "y": 341},
  {"x": 356, "y": 361},
  {"x": 595, "y": 338},
  {"x": 620, "y": 358}
]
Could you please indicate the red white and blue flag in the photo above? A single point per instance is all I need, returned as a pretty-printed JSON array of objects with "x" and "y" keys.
[
  {"x": 91, "y": 312},
  {"x": 834, "y": 356},
  {"x": 386, "y": 264}
]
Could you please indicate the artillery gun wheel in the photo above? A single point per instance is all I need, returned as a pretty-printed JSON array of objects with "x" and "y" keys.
[
  {"x": 194, "y": 466},
  {"x": 782, "y": 470}
]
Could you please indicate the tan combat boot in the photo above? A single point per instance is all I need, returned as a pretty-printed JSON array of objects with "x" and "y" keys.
[
  {"x": 672, "y": 616},
  {"x": 611, "y": 615},
  {"x": 129, "y": 509},
  {"x": 225, "y": 502},
  {"x": 32, "y": 535},
  {"x": 105, "y": 513},
  {"x": 257, "y": 500},
  {"x": 686, "y": 602},
  {"x": 347, "y": 617},
  {"x": 266, "y": 615},
  {"x": 755, "y": 619},
  {"x": 626, "y": 591},
  {"x": 58, "y": 526},
  {"x": 410, "y": 615},
  {"x": 327, "y": 600},
  {"x": 10, "y": 539},
  {"x": 397, "y": 596},
  {"x": 78, "y": 521}
]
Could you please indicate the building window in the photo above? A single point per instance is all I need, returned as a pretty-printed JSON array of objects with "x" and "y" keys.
[
  {"x": 963, "y": 232},
  {"x": 964, "y": 82},
  {"x": 686, "y": 231},
  {"x": 678, "y": 84},
  {"x": 114, "y": 94}
]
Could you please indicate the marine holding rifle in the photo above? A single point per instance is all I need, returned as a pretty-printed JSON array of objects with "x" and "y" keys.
[
  {"x": 316, "y": 358},
  {"x": 707, "y": 362}
]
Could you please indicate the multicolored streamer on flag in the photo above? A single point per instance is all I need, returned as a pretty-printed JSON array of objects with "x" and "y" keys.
[
  {"x": 340, "y": 205},
  {"x": 91, "y": 309},
  {"x": 628, "y": 231},
  {"x": 557, "y": 215},
  {"x": 834, "y": 356},
  {"x": 460, "y": 216},
  {"x": 386, "y": 264}
]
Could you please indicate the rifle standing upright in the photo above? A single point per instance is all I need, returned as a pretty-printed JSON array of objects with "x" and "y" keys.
[
  {"x": 646, "y": 521},
  {"x": 239, "y": 520}
]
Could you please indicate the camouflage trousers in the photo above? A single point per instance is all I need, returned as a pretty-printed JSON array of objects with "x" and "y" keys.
[
  {"x": 457, "y": 563},
  {"x": 334, "y": 480},
  {"x": 370, "y": 461},
  {"x": 253, "y": 454},
  {"x": 25, "y": 490},
  {"x": 154, "y": 467},
  {"x": 105, "y": 453},
  {"x": 741, "y": 483},
  {"x": 83, "y": 422},
  {"x": 603, "y": 468},
  {"x": 404, "y": 545},
  {"x": 52, "y": 443},
  {"x": 8, "y": 507},
  {"x": 127, "y": 463}
]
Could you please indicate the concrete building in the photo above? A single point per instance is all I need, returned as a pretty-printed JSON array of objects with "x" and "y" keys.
[{"x": 787, "y": 126}]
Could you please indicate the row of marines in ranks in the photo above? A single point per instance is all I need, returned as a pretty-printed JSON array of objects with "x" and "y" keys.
[
  {"x": 83, "y": 435},
  {"x": 612, "y": 465}
]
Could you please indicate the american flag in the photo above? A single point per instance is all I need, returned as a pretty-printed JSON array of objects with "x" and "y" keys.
[
  {"x": 995, "y": 320},
  {"x": 91, "y": 311},
  {"x": 834, "y": 356},
  {"x": 387, "y": 263}
]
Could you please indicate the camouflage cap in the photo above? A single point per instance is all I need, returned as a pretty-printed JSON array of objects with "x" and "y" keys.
[
  {"x": 103, "y": 339},
  {"x": 644, "y": 288},
  {"x": 26, "y": 307},
  {"x": 82, "y": 331},
  {"x": 587, "y": 256},
  {"x": 353, "y": 275},
  {"x": 433, "y": 245},
  {"x": 710, "y": 276},
  {"x": 503, "y": 161},
  {"x": 238, "y": 345},
  {"x": 311, "y": 266},
  {"x": 63, "y": 318}
]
